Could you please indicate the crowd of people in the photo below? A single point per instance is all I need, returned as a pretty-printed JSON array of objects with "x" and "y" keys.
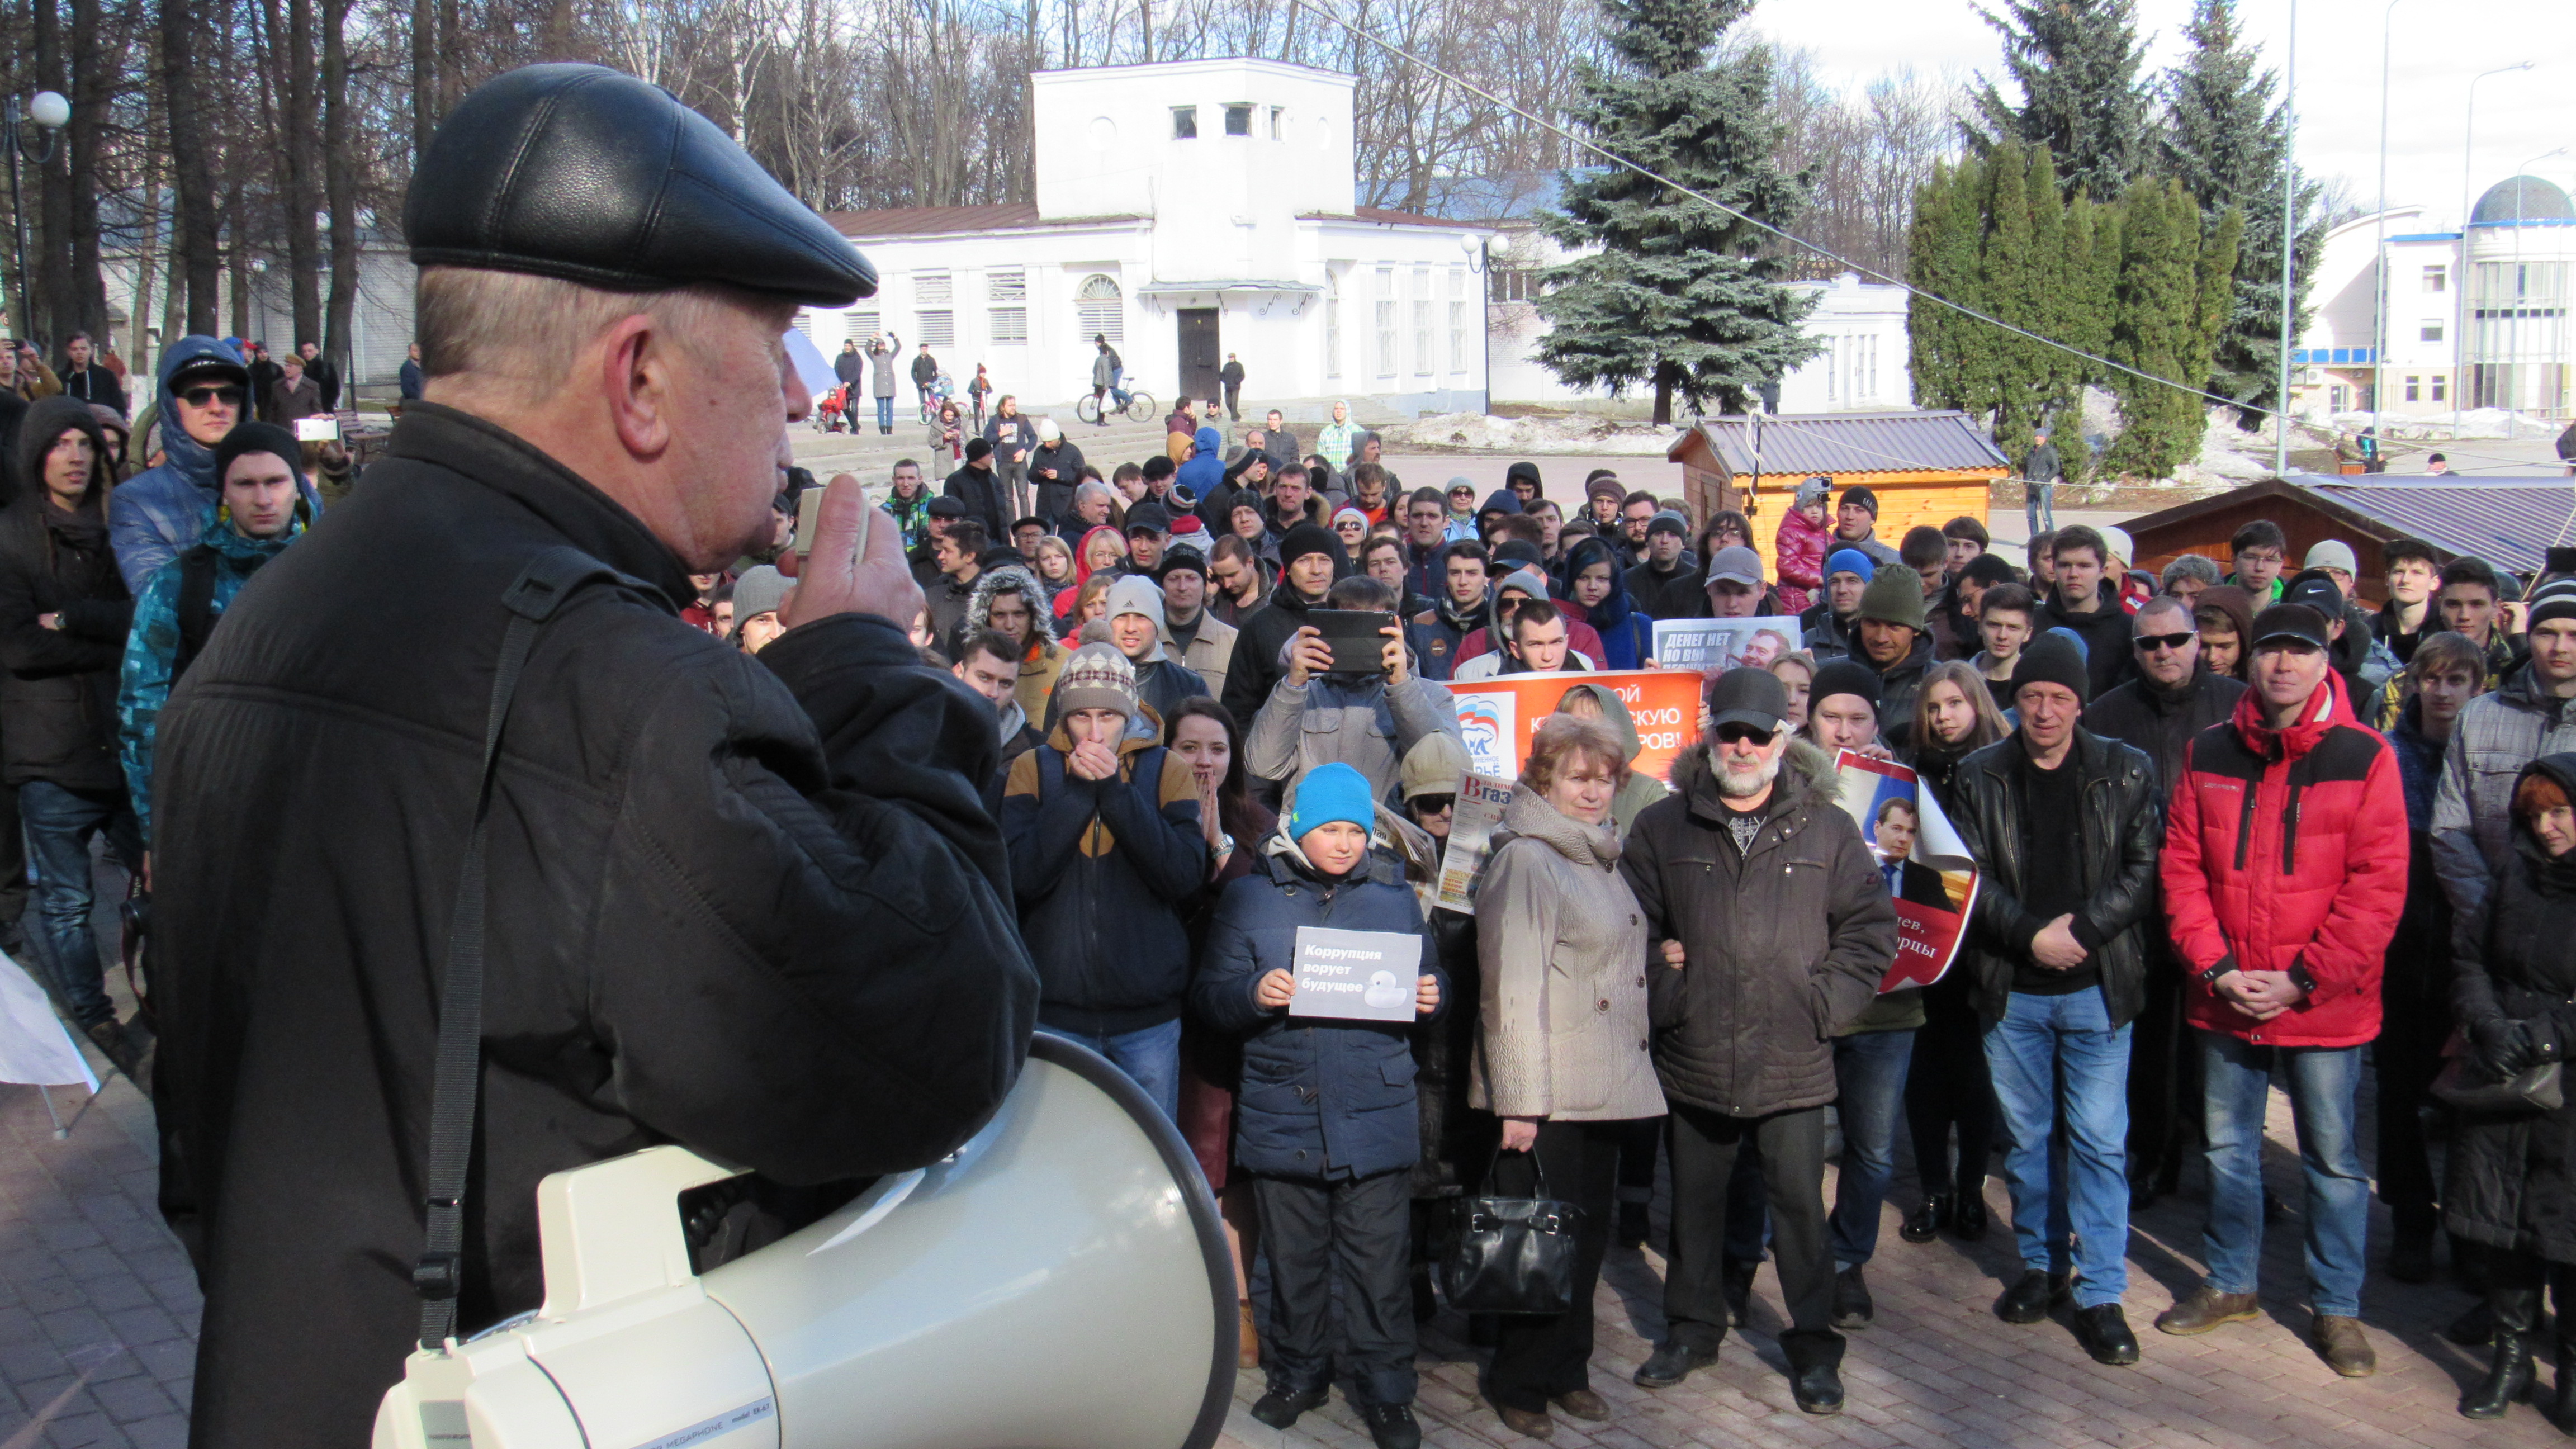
[
  {"x": 2226, "y": 818},
  {"x": 2232, "y": 827}
]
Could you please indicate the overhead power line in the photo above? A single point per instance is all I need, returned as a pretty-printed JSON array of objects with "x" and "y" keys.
[{"x": 1793, "y": 239}]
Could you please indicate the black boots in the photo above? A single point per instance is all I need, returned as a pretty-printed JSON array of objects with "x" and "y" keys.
[
  {"x": 2508, "y": 1377},
  {"x": 1928, "y": 1220},
  {"x": 1815, "y": 1370}
]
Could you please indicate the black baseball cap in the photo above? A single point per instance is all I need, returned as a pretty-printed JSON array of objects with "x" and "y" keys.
[
  {"x": 1750, "y": 696},
  {"x": 2290, "y": 621}
]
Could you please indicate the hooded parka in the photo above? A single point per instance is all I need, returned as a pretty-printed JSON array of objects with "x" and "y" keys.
[{"x": 2286, "y": 851}]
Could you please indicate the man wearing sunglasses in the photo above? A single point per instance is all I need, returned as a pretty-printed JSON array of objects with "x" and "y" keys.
[
  {"x": 204, "y": 391},
  {"x": 1744, "y": 1018},
  {"x": 2174, "y": 697}
]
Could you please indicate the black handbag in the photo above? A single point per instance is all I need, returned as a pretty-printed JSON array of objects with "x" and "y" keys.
[
  {"x": 2461, "y": 1084},
  {"x": 1511, "y": 1254}
]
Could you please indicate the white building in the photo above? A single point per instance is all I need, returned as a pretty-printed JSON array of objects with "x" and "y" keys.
[
  {"x": 2513, "y": 311},
  {"x": 1188, "y": 211}
]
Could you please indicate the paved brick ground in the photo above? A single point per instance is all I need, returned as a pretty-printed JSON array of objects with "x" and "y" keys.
[
  {"x": 98, "y": 1315},
  {"x": 1939, "y": 1369}
]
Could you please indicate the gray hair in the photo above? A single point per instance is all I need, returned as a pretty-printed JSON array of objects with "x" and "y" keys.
[
  {"x": 1091, "y": 488},
  {"x": 511, "y": 335},
  {"x": 2161, "y": 603},
  {"x": 2189, "y": 566}
]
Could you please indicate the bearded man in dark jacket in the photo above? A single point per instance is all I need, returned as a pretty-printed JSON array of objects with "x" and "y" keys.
[
  {"x": 749, "y": 904},
  {"x": 1784, "y": 927}
]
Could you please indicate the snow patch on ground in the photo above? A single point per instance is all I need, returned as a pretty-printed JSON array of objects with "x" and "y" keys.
[
  {"x": 2443, "y": 427},
  {"x": 1575, "y": 433}
]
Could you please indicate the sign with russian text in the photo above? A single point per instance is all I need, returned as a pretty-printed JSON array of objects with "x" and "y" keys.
[
  {"x": 1355, "y": 975},
  {"x": 1499, "y": 716},
  {"x": 1713, "y": 646}
]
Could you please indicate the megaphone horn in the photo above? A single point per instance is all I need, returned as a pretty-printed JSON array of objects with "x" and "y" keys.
[{"x": 1072, "y": 1240}]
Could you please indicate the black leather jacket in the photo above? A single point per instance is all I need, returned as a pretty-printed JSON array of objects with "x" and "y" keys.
[{"x": 2123, "y": 829}]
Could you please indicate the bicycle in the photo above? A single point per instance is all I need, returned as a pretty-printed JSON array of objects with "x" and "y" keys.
[{"x": 1139, "y": 407}]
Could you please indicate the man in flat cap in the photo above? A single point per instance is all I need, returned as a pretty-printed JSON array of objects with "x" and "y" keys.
[{"x": 751, "y": 905}]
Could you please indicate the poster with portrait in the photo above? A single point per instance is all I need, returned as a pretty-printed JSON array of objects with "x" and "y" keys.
[
  {"x": 1713, "y": 646},
  {"x": 1497, "y": 717},
  {"x": 1926, "y": 865}
]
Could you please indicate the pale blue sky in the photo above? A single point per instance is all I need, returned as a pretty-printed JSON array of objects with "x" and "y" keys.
[{"x": 2439, "y": 45}]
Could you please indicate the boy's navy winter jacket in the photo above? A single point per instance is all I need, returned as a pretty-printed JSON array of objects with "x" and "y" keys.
[
  {"x": 1320, "y": 1098},
  {"x": 1101, "y": 869}
]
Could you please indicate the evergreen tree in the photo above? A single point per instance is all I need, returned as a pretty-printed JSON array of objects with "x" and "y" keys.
[
  {"x": 1948, "y": 349},
  {"x": 1675, "y": 297},
  {"x": 2075, "y": 63},
  {"x": 2172, "y": 301},
  {"x": 2225, "y": 139}
]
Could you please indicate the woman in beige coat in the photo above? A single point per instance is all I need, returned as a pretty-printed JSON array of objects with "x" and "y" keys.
[{"x": 1561, "y": 1054}]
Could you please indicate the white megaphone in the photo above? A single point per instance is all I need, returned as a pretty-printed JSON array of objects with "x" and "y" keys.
[{"x": 1073, "y": 1240}]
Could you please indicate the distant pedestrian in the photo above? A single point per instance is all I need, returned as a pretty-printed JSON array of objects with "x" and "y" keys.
[
  {"x": 882, "y": 350},
  {"x": 2040, "y": 471},
  {"x": 925, "y": 371},
  {"x": 1230, "y": 377},
  {"x": 410, "y": 379}
]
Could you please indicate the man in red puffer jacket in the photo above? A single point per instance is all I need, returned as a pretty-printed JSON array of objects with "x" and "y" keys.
[{"x": 2284, "y": 873}]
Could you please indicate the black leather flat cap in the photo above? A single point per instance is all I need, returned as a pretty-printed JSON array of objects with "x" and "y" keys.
[{"x": 579, "y": 172}]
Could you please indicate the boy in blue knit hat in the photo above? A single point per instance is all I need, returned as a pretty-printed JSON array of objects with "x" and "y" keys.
[
  {"x": 1326, "y": 1120},
  {"x": 1826, "y": 628}
]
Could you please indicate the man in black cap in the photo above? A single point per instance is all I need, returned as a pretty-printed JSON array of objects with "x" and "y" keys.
[
  {"x": 976, "y": 485},
  {"x": 1744, "y": 1017},
  {"x": 1856, "y": 526},
  {"x": 1149, "y": 532},
  {"x": 924, "y": 559},
  {"x": 749, "y": 904}
]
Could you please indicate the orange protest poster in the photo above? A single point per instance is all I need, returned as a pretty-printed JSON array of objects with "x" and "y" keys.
[{"x": 1500, "y": 715}]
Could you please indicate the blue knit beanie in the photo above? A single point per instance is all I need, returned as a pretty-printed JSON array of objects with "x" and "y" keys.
[
  {"x": 1851, "y": 561},
  {"x": 1329, "y": 793}
]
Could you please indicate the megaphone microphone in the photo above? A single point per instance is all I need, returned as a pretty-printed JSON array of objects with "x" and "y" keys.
[{"x": 1073, "y": 1238}]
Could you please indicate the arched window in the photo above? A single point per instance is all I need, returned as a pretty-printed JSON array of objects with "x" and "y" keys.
[{"x": 1099, "y": 310}]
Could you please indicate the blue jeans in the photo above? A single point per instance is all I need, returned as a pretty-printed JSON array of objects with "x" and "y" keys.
[
  {"x": 2039, "y": 506},
  {"x": 2041, "y": 1042},
  {"x": 1152, "y": 1056},
  {"x": 1869, "y": 1072},
  {"x": 2322, "y": 1083},
  {"x": 59, "y": 825},
  {"x": 885, "y": 415},
  {"x": 1869, "y": 1077}
]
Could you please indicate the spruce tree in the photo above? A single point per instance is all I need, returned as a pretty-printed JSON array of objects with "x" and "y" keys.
[
  {"x": 2225, "y": 139},
  {"x": 1676, "y": 297},
  {"x": 2075, "y": 63}
]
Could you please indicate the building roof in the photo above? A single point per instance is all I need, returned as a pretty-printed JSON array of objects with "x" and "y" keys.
[
  {"x": 939, "y": 220},
  {"x": 1831, "y": 443},
  {"x": 1383, "y": 216},
  {"x": 2508, "y": 521},
  {"x": 2522, "y": 199}
]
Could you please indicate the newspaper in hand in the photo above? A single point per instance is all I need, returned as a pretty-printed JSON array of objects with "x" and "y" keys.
[{"x": 1481, "y": 799}]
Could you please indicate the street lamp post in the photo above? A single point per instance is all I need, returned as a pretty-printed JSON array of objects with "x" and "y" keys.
[
  {"x": 2289, "y": 234},
  {"x": 2467, "y": 270},
  {"x": 2379, "y": 253},
  {"x": 51, "y": 113}
]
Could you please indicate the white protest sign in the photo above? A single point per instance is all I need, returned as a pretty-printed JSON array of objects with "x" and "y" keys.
[
  {"x": 1355, "y": 975},
  {"x": 1713, "y": 646},
  {"x": 35, "y": 1046}
]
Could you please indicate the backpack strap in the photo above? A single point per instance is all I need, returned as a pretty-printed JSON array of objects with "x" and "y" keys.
[
  {"x": 196, "y": 607},
  {"x": 456, "y": 1083}
]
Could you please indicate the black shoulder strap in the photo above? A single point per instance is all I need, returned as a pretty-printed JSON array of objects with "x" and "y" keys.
[
  {"x": 549, "y": 579},
  {"x": 196, "y": 607}
]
